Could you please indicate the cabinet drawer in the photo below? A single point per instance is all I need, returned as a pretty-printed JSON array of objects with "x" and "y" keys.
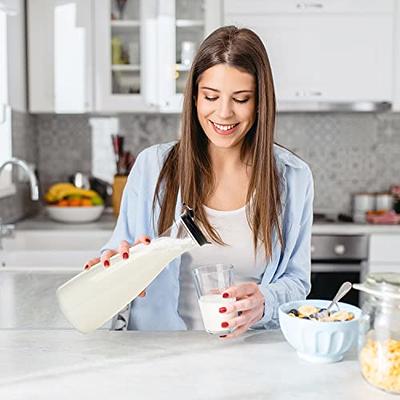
[
  {"x": 384, "y": 248},
  {"x": 259, "y": 7}
]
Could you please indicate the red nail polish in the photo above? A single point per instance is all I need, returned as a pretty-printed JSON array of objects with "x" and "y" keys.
[
  {"x": 225, "y": 295},
  {"x": 224, "y": 325},
  {"x": 147, "y": 240},
  {"x": 222, "y": 309},
  {"x": 125, "y": 255},
  {"x": 106, "y": 263},
  {"x": 223, "y": 336},
  {"x": 86, "y": 266}
]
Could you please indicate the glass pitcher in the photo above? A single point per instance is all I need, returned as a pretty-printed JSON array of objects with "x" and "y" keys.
[{"x": 94, "y": 296}]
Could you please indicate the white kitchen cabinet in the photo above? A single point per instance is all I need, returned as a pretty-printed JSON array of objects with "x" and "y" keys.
[
  {"x": 181, "y": 22},
  {"x": 396, "y": 86},
  {"x": 89, "y": 55},
  {"x": 59, "y": 56},
  {"x": 125, "y": 56},
  {"x": 324, "y": 51},
  {"x": 257, "y": 7},
  {"x": 384, "y": 253},
  {"x": 152, "y": 33}
]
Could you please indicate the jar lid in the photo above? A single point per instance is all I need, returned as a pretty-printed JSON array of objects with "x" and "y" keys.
[{"x": 385, "y": 284}]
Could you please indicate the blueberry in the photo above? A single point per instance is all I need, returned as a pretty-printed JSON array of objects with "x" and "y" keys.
[{"x": 294, "y": 311}]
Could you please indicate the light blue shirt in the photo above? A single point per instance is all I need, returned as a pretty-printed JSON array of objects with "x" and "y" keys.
[{"x": 286, "y": 276}]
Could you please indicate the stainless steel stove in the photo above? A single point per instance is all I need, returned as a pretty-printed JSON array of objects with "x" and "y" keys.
[{"x": 336, "y": 259}]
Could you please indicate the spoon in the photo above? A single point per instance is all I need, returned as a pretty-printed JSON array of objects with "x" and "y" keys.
[{"x": 346, "y": 286}]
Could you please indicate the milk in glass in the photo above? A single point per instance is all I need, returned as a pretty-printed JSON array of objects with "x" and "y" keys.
[{"x": 212, "y": 318}]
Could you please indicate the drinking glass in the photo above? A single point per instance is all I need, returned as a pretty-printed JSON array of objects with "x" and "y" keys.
[{"x": 210, "y": 282}]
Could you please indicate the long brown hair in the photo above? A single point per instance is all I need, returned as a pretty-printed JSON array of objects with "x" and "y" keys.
[{"x": 188, "y": 167}]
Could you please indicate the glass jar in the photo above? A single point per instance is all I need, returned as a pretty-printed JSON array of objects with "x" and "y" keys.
[{"x": 379, "y": 340}]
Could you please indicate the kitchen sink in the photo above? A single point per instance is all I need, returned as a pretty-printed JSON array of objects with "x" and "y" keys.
[
  {"x": 33, "y": 264},
  {"x": 47, "y": 248},
  {"x": 55, "y": 240}
]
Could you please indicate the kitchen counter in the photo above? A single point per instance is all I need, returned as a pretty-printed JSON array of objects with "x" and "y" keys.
[
  {"x": 43, "y": 222},
  {"x": 107, "y": 222},
  {"x": 350, "y": 228},
  {"x": 62, "y": 364}
]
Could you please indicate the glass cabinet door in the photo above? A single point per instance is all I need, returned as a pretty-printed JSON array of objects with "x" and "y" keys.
[
  {"x": 59, "y": 36},
  {"x": 125, "y": 47},
  {"x": 183, "y": 24},
  {"x": 125, "y": 55}
]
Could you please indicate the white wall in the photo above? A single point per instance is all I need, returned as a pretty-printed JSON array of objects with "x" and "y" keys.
[{"x": 17, "y": 60}]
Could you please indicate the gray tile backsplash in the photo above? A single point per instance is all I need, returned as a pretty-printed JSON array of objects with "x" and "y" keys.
[
  {"x": 347, "y": 152},
  {"x": 64, "y": 147}
]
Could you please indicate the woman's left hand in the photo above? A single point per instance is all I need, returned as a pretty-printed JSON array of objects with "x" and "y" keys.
[{"x": 249, "y": 302}]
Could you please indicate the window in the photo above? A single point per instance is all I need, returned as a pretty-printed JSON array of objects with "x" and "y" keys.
[{"x": 6, "y": 187}]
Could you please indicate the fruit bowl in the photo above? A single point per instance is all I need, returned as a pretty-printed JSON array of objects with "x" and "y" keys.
[{"x": 74, "y": 214}]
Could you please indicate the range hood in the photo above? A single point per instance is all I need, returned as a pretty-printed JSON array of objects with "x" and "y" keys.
[{"x": 321, "y": 106}]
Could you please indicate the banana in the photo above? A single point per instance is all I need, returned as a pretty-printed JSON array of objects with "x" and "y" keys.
[{"x": 61, "y": 190}]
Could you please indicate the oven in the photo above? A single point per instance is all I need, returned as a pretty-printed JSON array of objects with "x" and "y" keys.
[{"x": 334, "y": 260}]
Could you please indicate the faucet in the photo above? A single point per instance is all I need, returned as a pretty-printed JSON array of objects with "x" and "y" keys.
[
  {"x": 29, "y": 172},
  {"x": 7, "y": 230}
]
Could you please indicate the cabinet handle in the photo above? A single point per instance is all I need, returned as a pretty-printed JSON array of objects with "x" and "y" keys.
[
  {"x": 305, "y": 6},
  {"x": 310, "y": 93}
]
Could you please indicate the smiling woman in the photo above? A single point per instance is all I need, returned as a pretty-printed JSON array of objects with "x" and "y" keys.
[
  {"x": 226, "y": 105},
  {"x": 251, "y": 196}
]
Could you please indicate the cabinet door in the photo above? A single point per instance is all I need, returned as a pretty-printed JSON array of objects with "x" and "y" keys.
[
  {"x": 183, "y": 24},
  {"x": 396, "y": 86},
  {"x": 331, "y": 58},
  {"x": 59, "y": 56},
  {"x": 126, "y": 55},
  {"x": 259, "y": 7},
  {"x": 383, "y": 248}
]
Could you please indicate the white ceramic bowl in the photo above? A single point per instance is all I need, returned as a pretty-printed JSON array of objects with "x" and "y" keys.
[
  {"x": 74, "y": 214},
  {"x": 316, "y": 341}
]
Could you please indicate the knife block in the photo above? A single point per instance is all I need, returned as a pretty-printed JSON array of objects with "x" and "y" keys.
[{"x": 118, "y": 188}]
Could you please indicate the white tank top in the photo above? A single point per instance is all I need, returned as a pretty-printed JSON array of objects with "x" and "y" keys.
[{"x": 238, "y": 250}]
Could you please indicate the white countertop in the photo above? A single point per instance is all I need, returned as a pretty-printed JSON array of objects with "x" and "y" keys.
[
  {"x": 350, "y": 228},
  {"x": 108, "y": 365},
  {"x": 107, "y": 222}
]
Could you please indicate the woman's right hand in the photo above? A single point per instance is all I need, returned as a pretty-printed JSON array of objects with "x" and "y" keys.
[{"x": 123, "y": 250}]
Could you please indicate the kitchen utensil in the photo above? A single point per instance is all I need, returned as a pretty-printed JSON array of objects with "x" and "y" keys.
[
  {"x": 343, "y": 290},
  {"x": 362, "y": 202},
  {"x": 121, "y": 8},
  {"x": 384, "y": 202},
  {"x": 80, "y": 180},
  {"x": 118, "y": 147},
  {"x": 95, "y": 295},
  {"x": 188, "y": 51}
]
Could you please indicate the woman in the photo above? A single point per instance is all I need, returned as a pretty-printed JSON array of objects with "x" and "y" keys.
[{"x": 252, "y": 197}]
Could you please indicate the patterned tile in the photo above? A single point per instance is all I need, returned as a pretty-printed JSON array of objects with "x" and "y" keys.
[{"x": 347, "y": 152}]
